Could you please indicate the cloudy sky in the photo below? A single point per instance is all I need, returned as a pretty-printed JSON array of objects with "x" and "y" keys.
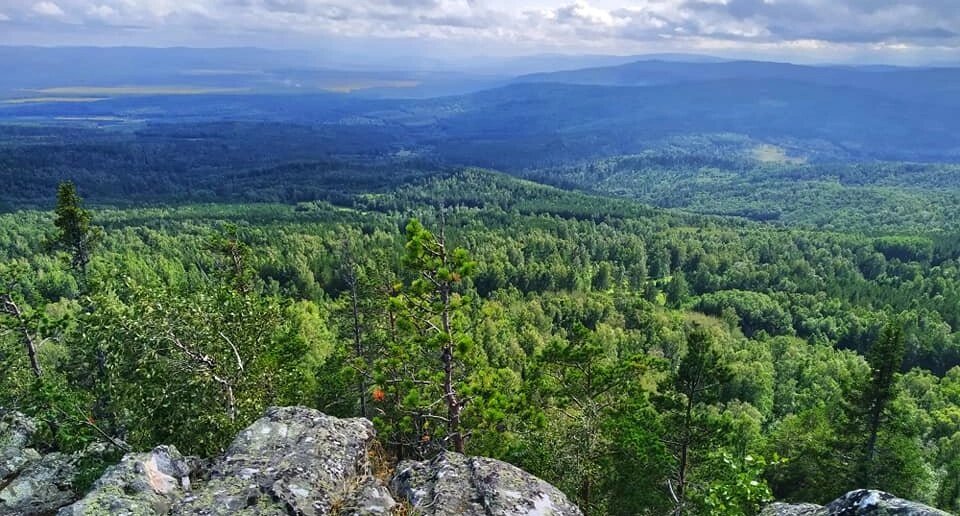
[{"x": 799, "y": 30}]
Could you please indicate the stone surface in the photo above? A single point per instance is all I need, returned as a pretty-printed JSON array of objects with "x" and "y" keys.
[
  {"x": 856, "y": 503},
  {"x": 455, "y": 485},
  {"x": 141, "y": 484},
  {"x": 16, "y": 430},
  {"x": 40, "y": 488},
  {"x": 863, "y": 501},
  {"x": 293, "y": 460},
  {"x": 371, "y": 497},
  {"x": 792, "y": 509}
]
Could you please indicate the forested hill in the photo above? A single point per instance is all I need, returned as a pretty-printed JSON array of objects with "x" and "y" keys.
[
  {"x": 579, "y": 328},
  {"x": 726, "y": 174},
  {"x": 664, "y": 288}
]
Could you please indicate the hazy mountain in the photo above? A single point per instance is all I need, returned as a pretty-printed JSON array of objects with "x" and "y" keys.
[
  {"x": 67, "y": 72},
  {"x": 38, "y": 72},
  {"x": 894, "y": 81},
  {"x": 830, "y": 112}
]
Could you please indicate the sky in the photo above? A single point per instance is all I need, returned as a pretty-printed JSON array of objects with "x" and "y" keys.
[{"x": 894, "y": 31}]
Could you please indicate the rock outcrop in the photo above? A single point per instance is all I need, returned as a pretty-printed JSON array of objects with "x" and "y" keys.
[
  {"x": 862, "y": 502},
  {"x": 455, "y": 485},
  {"x": 299, "y": 461},
  {"x": 293, "y": 461},
  {"x": 142, "y": 483},
  {"x": 30, "y": 483}
]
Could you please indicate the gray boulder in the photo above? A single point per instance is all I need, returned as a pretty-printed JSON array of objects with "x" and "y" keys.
[
  {"x": 455, "y": 485},
  {"x": 792, "y": 509},
  {"x": 16, "y": 431},
  {"x": 30, "y": 483},
  {"x": 294, "y": 460},
  {"x": 42, "y": 487},
  {"x": 856, "y": 503},
  {"x": 141, "y": 484}
]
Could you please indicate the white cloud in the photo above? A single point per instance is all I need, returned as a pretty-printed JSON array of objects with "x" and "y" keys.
[
  {"x": 48, "y": 9},
  {"x": 539, "y": 25},
  {"x": 102, "y": 12}
]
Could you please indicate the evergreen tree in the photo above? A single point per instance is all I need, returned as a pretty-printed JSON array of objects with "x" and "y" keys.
[
  {"x": 677, "y": 290},
  {"x": 431, "y": 315},
  {"x": 692, "y": 425},
  {"x": 76, "y": 236},
  {"x": 885, "y": 358}
]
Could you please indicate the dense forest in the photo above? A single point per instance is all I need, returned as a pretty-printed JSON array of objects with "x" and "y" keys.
[{"x": 644, "y": 360}]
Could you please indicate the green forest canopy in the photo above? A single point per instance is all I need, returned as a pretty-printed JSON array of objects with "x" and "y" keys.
[{"x": 594, "y": 341}]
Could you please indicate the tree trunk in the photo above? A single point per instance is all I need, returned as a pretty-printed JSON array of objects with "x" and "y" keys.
[
  {"x": 358, "y": 344},
  {"x": 454, "y": 408},
  {"x": 870, "y": 452},
  {"x": 11, "y": 308},
  {"x": 684, "y": 459}
]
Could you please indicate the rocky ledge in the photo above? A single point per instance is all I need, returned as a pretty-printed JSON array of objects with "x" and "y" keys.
[
  {"x": 862, "y": 502},
  {"x": 293, "y": 460}
]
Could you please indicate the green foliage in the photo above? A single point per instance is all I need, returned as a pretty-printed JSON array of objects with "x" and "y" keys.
[
  {"x": 76, "y": 235},
  {"x": 743, "y": 490},
  {"x": 571, "y": 349}
]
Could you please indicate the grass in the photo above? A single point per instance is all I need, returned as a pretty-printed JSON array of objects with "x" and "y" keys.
[{"x": 767, "y": 153}]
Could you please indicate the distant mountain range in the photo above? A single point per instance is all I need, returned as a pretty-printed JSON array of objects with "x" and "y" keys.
[
  {"x": 900, "y": 82},
  {"x": 821, "y": 112}
]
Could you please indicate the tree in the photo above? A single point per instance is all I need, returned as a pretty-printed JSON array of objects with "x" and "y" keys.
[
  {"x": 10, "y": 308},
  {"x": 430, "y": 309},
  {"x": 885, "y": 358},
  {"x": 696, "y": 385},
  {"x": 592, "y": 398},
  {"x": 676, "y": 290},
  {"x": 77, "y": 236},
  {"x": 233, "y": 257}
]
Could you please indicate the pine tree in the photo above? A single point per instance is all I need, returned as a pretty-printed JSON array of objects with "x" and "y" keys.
[
  {"x": 697, "y": 381},
  {"x": 77, "y": 236},
  {"x": 430, "y": 325},
  {"x": 885, "y": 358}
]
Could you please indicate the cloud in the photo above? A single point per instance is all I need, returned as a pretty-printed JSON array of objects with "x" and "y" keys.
[
  {"x": 48, "y": 9},
  {"x": 478, "y": 25},
  {"x": 917, "y": 22}
]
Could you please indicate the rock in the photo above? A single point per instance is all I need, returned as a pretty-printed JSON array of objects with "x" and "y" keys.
[
  {"x": 294, "y": 460},
  {"x": 141, "y": 484},
  {"x": 792, "y": 509},
  {"x": 455, "y": 485},
  {"x": 856, "y": 503},
  {"x": 370, "y": 497},
  {"x": 16, "y": 431},
  {"x": 864, "y": 501},
  {"x": 42, "y": 487}
]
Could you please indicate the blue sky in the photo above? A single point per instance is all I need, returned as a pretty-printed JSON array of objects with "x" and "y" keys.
[{"x": 900, "y": 31}]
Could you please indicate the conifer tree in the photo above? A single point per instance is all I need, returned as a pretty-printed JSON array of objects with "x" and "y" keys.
[
  {"x": 429, "y": 359},
  {"x": 77, "y": 236},
  {"x": 885, "y": 358}
]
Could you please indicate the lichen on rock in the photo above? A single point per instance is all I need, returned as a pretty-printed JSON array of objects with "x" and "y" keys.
[
  {"x": 293, "y": 460},
  {"x": 453, "y": 484},
  {"x": 142, "y": 483},
  {"x": 862, "y": 502}
]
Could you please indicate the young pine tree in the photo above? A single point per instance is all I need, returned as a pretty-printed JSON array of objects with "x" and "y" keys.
[
  {"x": 425, "y": 368},
  {"x": 885, "y": 358},
  {"x": 76, "y": 234},
  {"x": 696, "y": 385}
]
